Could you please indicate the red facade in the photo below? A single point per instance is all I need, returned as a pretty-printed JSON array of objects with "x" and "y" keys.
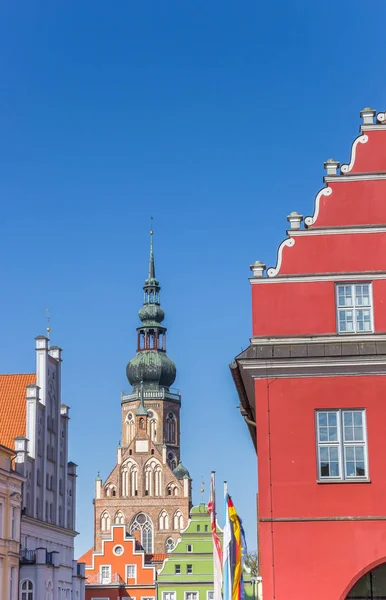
[{"x": 312, "y": 387}]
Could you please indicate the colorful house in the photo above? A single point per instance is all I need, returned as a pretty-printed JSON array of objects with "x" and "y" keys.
[
  {"x": 312, "y": 387},
  {"x": 119, "y": 570},
  {"x": 187, "y": 573}
]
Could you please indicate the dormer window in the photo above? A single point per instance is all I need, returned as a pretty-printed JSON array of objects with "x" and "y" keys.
[{"x": 354, "y": 308}]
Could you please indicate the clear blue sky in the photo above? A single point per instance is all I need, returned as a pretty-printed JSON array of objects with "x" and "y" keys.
[{"x": 215, "y": 118}]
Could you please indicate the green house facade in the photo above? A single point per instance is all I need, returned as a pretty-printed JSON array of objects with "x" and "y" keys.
[{"x": 187, "y": 573}]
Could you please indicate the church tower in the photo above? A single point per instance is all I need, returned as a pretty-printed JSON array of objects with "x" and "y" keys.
[{"x": 149, "y": 489}]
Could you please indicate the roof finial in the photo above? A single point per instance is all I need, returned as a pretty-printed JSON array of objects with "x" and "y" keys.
[
  {"x": 48, "y": 328},
  {"x": 151, "y": 260}
]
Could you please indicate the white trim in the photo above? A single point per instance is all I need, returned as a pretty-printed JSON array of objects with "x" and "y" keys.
[
  {"x": 326, "y": 191},
  {"x": 307, "y": 363},
  {"x": 354, "y": 308},
  {"x": 338, "y": 230},
  {"x": 192, "y": 592},
  {"x": 319, "y": 339},
  {"x": 102, "y": 582},
  {"x": 273, "y": 271},
  {"x": 169, "y": 592},
  {"x": 341, "y": 444},
  {"x": 362, "y": 139},
  {"x": 135, "y": 572},
  {"x": 333, "y": 277},
  {"x": 354, "y": 177},
  {"x": 115, "y": 550},
  {"x": 375, "y": 126}
]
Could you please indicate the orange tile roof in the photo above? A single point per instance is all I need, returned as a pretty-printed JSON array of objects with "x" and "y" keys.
[
  {"x": 13, "y": 406},
  {"x": 150, "y": 558},
  {"x": 86, "y": 557}
]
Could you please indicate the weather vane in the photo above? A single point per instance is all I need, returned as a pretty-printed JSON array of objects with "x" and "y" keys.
[
  {"x": 48, "y": 328},
  {"x": 202, "y": 490},
  {"x": 151, "y": 226}
]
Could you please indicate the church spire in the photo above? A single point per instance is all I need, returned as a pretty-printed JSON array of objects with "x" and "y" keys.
[
  {"x": 151, "y": 259},
  {"x": 151, "y": 365}
]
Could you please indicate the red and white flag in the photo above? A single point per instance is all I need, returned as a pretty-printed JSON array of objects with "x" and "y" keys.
[{"x": 217, "y": 551}]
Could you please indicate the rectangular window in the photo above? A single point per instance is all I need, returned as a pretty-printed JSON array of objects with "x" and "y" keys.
[
  {"x": 342, "y": 445},
  {"x": 210, "y": 595},
  {"x": 189, "y": 569},
  {"x": 189, "y": 548},
  {"x": 198, "y": 527},
  {"x": 130, "y": 571},
  {"x": 191, "y": 595},
  {"x": 206, "y": 527},
  {"x": 105, "y": 574},
  {"x": 168, "y": 595},
  {"x": 354, "y": 308},
  {"x": 177, "y": 569},
  {"x": 13, "y": 523}
]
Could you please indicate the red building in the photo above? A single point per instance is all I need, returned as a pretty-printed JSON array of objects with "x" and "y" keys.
[
  {"x": 119, "y": 570},
  {"x": 312, "y": 388}
]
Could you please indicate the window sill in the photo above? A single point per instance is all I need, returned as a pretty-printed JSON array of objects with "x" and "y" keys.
[{"x": 324, "y": 481}]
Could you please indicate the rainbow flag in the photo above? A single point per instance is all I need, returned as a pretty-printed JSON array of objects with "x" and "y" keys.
[{"x": 234, "y": 551}]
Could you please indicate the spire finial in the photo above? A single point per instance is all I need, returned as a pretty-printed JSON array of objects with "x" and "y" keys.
[
  {"x": 151, "y": 260},
  {"x": 48, "y": 328}
]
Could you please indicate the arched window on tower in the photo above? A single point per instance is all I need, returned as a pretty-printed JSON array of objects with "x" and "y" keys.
[
  {"x": 105, "y": 521},
  {"x": 142, "y": 523},
  {"x": 142, "y": 423},
  {"x": 172, "y": 462},
  {"x": 119, "y": 519},
  {"x": 178, "y": 520},
  {"x": 171, "y": 428},
  {"x": 130, "y": 428},
  {"x": 163, "y": 520},
  {"x": 27, "y": 590},
  {"x": 152, "y": 426}
]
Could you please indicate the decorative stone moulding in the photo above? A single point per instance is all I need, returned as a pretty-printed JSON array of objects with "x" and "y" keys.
[
  {"x": 381, "y": 117},
  {"x": 273, "y": 271},
  {"x": 294, "y": 219},
  {"x": 327, "y": 191},
  {"x": 258, "y": 269},
  {"x": 331, "y": 165},
  {"x": 362, "y": 139},
  {"x": 368, "y": 114}
]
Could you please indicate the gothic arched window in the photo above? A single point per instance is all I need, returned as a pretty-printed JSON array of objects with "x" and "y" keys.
[
  {"x": 142, "y": 523},
  {"x": 178, "y": 520},
  {"x": 142, "y": 423},
  {"x": 27, "y": 590},
  {"x": 169, "y": 545},
  {"x": 163, "y": 520},
  {"x": 119, "y": 519},
  {"x": 153, "y": 478},
  {"x": 105, "y": 521},
  {"x": 130, "y": 427},
  {"x": 152, "y": 426},
  {"x": 171, "y": 428},
  {"x": 129, "y": 477},
  {"x": 172, "y": 490}
]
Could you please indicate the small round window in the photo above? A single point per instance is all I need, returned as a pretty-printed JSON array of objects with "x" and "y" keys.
[{"x": 118, "y": 550}]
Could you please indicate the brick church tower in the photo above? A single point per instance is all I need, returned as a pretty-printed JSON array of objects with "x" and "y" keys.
[{"x": 149, "y": 489}]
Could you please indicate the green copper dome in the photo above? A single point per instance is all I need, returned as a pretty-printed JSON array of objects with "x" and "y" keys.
[
  {"x": 151, "y": 365},
  {"x": 180, "y": 471}
]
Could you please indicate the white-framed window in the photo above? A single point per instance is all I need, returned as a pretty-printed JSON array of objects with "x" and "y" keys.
[
  {"x": 1, "y": 517},
  {"x": 14, "y": 522},
  {"x": 147, "y": 598},
  {"x": 189, "y": 548},
  {"x": 118, "y": 550},
  {"x": 189, "y": 571},
  {"x": 191, "y": 595},
  {"x": 131, "y": 571},
  {"x": 354, "y": 304},
  {"x": 342, "y": 444},
  {"x": 210, "y": 595},
  {"x": 177, "y": 569},
  {"x": 105, "y": 574},
  {"x": 27, "y": 590},
  {"x": 12, "y": 583},
  {"x": 169, "y": 544},
  {"x": 168, "y": 595}
]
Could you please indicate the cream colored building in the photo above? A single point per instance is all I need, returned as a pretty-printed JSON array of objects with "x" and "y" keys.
[{"x": 10, "y": 512}]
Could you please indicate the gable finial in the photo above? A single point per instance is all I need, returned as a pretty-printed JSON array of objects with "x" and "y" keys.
[
  {"x": 151, "y": 259},
  {"x": 48, "y": 328}
]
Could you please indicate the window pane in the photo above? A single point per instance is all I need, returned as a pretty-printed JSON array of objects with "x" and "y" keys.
[
  {"x": 358, "y": 434},
  {"x": 333, "y": 434},
  {"x": 322, "y": 416},
  {"x": 363, "y": 320},
  {"x": 357, "y": 417},
  {"x": 350, "y": 469},
  {"x": 323, "y": 434},
  {"x": 346, "y": 320},
  {"x": 347, "y": 418},
  {"x": 332, "y": 418},
  {"x": 362, "y": 295}
]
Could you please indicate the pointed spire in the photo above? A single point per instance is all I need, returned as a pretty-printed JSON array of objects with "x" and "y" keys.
[
  {"x": 141, "y": 411},
  {"x": 151, "y": 259}
]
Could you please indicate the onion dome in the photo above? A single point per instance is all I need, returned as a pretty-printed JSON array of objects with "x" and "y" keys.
[
  {"x": 180, "y": 471},
  {"x": 151, "y": 365}
]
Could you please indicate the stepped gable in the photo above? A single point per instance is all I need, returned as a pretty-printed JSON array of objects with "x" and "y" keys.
[{"x": 353, "y": 197}]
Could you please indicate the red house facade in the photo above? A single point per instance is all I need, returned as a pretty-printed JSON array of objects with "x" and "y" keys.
[{"x": 312, "y": 388}]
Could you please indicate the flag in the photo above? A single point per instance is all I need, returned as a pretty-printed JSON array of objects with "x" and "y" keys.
[
  {"x": 217, "y": 551},
  {"x": 234, "y": 549}
]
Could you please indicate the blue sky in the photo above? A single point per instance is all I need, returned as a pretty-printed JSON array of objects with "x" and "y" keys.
[{"x": 215, "y": 118}]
